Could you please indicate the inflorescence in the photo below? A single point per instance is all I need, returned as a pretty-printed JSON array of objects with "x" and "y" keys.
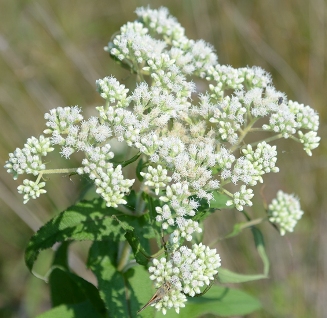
[
  {"x": 194, "y": 142},
  {"x": 285, "y": 210}
]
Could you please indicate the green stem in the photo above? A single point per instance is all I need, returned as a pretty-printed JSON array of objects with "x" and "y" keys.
[
  {"x": 126, "y": 162},
  {"x": 246, "y": 215},
  {"x": 123, "y": 256}
]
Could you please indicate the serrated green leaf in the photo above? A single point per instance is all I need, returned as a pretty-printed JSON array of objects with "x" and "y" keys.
[
  {"x": 87, "y": 220},
  {"x": 226, "y": 276},
  {"x": 152, "y": 204},
  {"x": 202, "y": 213},
  {"x": 123, "y": 293},
  {"x": 81, "y": 310},
  {"x": 221, "y": 301}
]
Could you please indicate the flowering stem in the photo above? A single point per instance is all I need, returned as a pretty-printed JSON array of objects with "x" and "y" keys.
[
  {"x": 253, "y": 222},
  {"x": 160, "y": 252},
  {"x": 267, "y": 139},
  {"x": 243, "y": 134},
  {"x": 241, "y": 226},
  {"x": 256, "y": 129},
  {"x": 52, "y": 171},
  {"x": 228, "y": 193},
  {"x": 296, "y": 139},
  {"x": 125, "y": 210}
]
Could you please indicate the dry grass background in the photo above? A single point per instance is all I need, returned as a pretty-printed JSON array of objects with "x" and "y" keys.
[{"x": 51, "y": 53}]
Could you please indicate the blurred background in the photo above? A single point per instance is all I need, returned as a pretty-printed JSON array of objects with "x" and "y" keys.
[{"x": 51, "y": 53}]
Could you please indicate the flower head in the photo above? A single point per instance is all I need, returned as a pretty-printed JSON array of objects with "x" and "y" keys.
[
  {"x": 285, "y": 211},
  {"x": 31, "y": 189},
  {"x": 29, "y": 159}
]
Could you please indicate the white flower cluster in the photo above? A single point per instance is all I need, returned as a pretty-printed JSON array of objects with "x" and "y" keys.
[
  {"x": 309, "y": 140},
  {"x": 285, "y": 211},
  {"x": 156, "y": 177},
  {"x": 189, "y": 145},
  {"x": 29, "y": 159},
  {"x": 112, "y": 91},
  {"x": 188, "y": 270},
  {"x": 177, "y": 211},
  {"x": 254, "y": 164},
  {"x": 161, "y": 22},
  {"x": 193, "y": 143},
  {"x": 241, "y": 198},
  {"x": 62, "y": 118},
  {"x": 109, "y": 181},
  {"x": 73, "y": 137},
  {"x": 31, "y": 189},
  {"x": 289, "y": 119}
]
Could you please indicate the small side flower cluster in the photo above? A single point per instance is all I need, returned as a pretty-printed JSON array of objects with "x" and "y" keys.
[
  {"x": 29, "y": 159},
  {"x": 188, "y": 270},
  {"x": 285, "y": 211},
  {"x": 290, "y": 118},
  {"x": 31, "y": 189}
]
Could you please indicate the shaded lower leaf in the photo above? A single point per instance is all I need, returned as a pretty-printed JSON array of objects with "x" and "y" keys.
[
  {"x": 141, "y": 290},
  {"x": 139, "y": 252},
  {"x": 81, "y": 310},
  {"x": 68, "y": 288},
  {"x": 221, "y": 301},
  {"x": 111, "y": 283}
]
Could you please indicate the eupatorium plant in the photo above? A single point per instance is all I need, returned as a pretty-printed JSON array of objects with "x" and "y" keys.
[{"x": 187, "y": 123}]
